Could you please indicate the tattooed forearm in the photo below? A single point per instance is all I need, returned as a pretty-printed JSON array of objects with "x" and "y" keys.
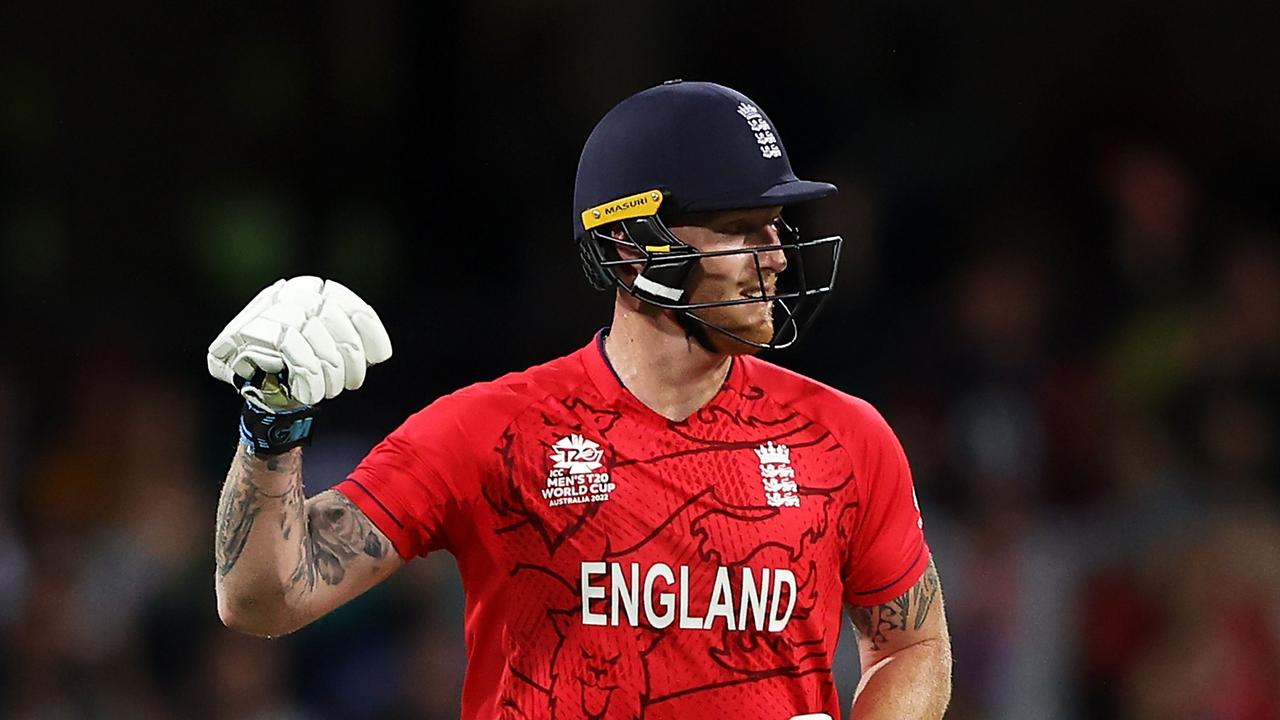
[
  {"x": 242, "y": 500},
  {"x": 328, "y": 531},
  {"x": 910, "y": 610},
  {"x": 336, "y": 534},
  {"x": 237, "y": 509},
  {"x": 241, "y": 503}
]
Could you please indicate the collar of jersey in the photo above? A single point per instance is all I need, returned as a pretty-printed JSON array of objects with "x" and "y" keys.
[{"x": 606, "y": 379}]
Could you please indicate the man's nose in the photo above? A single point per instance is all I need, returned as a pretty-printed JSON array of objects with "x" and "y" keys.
[{"x": 772, "y": 257}]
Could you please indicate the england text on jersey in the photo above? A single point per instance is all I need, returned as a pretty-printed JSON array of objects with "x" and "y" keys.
[{"x": 656, "y": 596}]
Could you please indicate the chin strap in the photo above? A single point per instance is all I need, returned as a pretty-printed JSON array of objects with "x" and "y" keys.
[{"x": 696, "y": 328}]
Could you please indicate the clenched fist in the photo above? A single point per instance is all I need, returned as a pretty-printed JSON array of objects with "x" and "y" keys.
[{"x": 319, "y": 332}]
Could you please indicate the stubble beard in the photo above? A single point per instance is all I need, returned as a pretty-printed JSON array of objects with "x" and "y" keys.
[{"x": 750, "y": 321}]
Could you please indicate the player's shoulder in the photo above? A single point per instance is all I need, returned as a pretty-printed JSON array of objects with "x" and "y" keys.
[
  {"x": 489, "y": 406},
  {"x": 836, "y": 409}
]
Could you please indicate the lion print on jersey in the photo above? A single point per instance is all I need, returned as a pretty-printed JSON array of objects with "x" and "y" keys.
[{"x": 599, "y": 673}]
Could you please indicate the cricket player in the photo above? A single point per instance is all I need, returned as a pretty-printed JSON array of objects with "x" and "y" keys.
[{"x": 658, "y": 525}]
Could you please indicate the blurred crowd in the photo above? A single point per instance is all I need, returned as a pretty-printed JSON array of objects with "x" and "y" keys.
[{"x": 1061, "y": 286}]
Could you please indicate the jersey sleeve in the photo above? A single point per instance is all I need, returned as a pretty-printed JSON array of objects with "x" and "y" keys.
[
  {"x": 888, "y": 552},
  {"x": 411, "y": 498}
]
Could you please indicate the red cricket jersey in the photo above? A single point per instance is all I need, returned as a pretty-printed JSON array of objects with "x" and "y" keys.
[{"x": 618, "y": 564}]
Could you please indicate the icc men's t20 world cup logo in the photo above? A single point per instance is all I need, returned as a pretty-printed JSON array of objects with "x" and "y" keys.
[{"x": 577, "y": 473}]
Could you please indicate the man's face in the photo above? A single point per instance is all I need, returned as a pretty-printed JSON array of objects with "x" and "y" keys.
[{"x": 732, "y": 277}]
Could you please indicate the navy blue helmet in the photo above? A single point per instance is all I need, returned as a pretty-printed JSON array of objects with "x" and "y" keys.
[{"x": 684, "y": 147}]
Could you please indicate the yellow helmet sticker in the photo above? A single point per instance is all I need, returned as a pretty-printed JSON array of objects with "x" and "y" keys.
[{"x": 639, "y": 205}]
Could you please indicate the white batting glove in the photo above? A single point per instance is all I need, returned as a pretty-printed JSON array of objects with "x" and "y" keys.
[{"x": 319, "y": 332}]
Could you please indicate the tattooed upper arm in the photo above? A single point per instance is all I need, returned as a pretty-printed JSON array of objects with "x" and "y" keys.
[
  {"x": 914, "y": 616},
  {"x": 338, "y": 537},
  {"x": 343, "y": 553}
]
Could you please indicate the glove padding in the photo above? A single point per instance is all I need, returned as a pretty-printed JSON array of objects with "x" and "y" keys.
[{"x": 317, "y": 331}]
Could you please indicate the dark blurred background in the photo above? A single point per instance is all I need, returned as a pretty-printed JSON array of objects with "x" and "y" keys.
[{"x": 1061, "y": 285}]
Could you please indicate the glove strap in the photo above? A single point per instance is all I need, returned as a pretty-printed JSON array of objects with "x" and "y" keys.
[
  {"x": 272, "y": 433},
  {"x": 268, "y": 429}
]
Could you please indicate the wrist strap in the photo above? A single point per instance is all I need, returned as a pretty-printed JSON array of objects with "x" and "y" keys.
[{"x": 272, "y": 433}]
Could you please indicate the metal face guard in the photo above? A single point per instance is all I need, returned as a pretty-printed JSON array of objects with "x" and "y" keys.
[{"x": 663, "y": 265}]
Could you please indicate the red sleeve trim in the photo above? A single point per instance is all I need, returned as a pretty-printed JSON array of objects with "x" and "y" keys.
[
  {"x": 883, "y": 594},
  {"x": 379, "y": 515}
]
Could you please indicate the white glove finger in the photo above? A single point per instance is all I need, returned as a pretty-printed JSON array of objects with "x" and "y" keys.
[
  {"x": 252, "y": 359},
  {"x": 284, "y": 312},
  {"x": 261, "y": 331},
  {"x": 303, "y": 292},
  {"x": 303, "y": 285},
  {"x": 256, "y": 348},
  {"x": 336, "y": 292},
  {"x": 219, "y": 369},
  {"x": 326, "y": 350},
  {"x": 377, "y": 344},
  {"x": 306, "y": 379},
  {"x": 223, "y": 346},
  {"x": 348, "y": 341}
]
